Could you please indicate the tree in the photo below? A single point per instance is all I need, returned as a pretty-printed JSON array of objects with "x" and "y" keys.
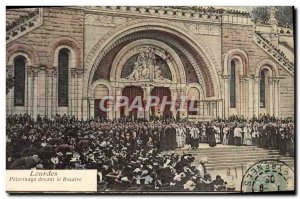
[{"x": 283, "y": 14}]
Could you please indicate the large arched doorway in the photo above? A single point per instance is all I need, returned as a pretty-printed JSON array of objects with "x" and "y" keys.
[
  {"x": 131, "y": 92},
  {"x": 162, "y": 92},
  {"x": 176, "y": 63}
]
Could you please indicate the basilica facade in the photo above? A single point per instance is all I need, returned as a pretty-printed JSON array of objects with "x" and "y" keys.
[{"x": 64, "y": 60}]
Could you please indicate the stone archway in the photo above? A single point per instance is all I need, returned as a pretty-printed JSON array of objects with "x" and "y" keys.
[
  {"x": 114, "y": 37},
  {"x": 161, "y": 49}
]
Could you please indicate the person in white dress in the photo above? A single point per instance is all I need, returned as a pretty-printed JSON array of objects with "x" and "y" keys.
[
  {"x": 180, "y": 136},
  {"x": 225, "y": 135},
  {"x": 217, "y": 134},
  {"x": 195, "y": 134},
  {"x": 247, "y": 135},
  {"x": 237, "y": 133}
]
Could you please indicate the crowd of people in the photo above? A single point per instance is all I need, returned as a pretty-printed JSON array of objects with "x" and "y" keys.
[{"x": 138, "y": 154}]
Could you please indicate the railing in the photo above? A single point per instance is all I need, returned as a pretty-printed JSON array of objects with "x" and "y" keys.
[
  {"x": 277, "y": 54},
  {"x": 23, "y": 25}
]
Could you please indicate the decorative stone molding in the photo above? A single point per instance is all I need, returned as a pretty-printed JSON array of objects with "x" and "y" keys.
[
  {"x": 236, "y": 54},
  {"x": 207, "y": 29},
  {"x": 35, "y": 71},
  {"x": 66, "y": 41},
  {"x": 178, "y": 13},
  {"x": 111, "y": 38},
  {"x": 279, "y": 57},
  {"x": 9, "y": 71},
  {"x": 79, "y": 71},
  {"x": 24, "y": 27},
  {"x": 51, "y": 71},
  {"x": 268, "y": 64},
  {"x": 27, "y": 51},
  {"x": 73, "y": 72},
  {"x": 105, "y": 20}
]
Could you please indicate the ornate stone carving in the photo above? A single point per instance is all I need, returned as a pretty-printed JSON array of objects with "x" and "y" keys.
[
  {"x": 119, "y": 20},
  {"x": 146, "y": 68},
  {"x": 79, "y": 71},
  {"x": 73, "y": 72},
  {"x": 50, "y": 71},
  {"x": 105, "y": 20},
  {"x": 9, "y": 71}
]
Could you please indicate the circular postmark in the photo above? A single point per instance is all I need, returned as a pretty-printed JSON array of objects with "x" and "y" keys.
[{"x": 268, "y": 176}]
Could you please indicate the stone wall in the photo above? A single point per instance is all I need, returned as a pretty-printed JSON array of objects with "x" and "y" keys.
[
  {"x": 287, "y": 96},
  {"x": 59, "y": 27},
  {"x": 241, "y": 37},
  {"x": 85, "y": 28}
]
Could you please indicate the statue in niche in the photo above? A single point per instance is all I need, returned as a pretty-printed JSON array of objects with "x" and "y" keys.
[
  {"x": 157, "y": 74},
  {"x": 145, "y": 67},
  {"x": 137, "y": 70}
]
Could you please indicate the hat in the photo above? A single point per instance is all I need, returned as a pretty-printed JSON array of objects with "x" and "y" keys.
[
  {"x": 177, "y": 177},
  {"x": 190, "y": 185},
  {"x": 97, "y": 149},
  {"x": 125, "y": 179},
  {"x": 144, "y": 172},
  {"x": 60, "y": 154},
  {"x": 137, "y": 170}
]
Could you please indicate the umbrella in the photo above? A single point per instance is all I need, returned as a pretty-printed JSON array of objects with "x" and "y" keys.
[
  {"x": 29, "y": 151},
  {"x": 83, "y": 144},
  {"x": 47, "y": 152},
  {"x": 56, "y": 141},
  {"x": 64, "y": 148},
  {"x": 25, "y": 162}
]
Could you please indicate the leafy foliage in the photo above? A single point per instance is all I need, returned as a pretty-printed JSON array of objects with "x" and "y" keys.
[{"x": 283, "y": 14}]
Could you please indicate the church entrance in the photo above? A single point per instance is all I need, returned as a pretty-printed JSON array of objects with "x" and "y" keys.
[
  {"x": 161, "y": 92},
  {"x": 99, "y": 113},
  {"x": 131, "y": 92}
]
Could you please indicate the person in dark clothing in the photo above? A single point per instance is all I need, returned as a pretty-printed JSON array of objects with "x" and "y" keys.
[{"x": 211, "y": 136}]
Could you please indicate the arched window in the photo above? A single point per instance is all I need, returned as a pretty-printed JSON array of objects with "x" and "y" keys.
[
  {"x": 19, "y": 85},
  {"x": 63, "y": 74},
  {"x": 262, "y": 94},
  {"x": 232, "y": 85}
]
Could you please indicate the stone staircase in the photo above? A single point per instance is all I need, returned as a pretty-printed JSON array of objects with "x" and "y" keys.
[
  {"x": 220, "y": 158},
  {"x": 273, "y": 52},
  {"x": 25, "y": 22}
]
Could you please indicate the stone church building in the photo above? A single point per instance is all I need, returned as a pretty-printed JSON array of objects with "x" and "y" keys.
[{"x": 64, "y": 60}]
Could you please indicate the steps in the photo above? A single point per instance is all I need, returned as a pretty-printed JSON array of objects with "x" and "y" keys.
[
  {"x": 273, "y": 52},
  {"x": 25, "y": 22},
  {"x": 220, "y": 158}
]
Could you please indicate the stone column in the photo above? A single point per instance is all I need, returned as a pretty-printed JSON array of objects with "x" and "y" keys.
[
  {"x": 245, "y": 109},
  {"x": 181, "y": 94},
  {"x": 29, "y": 89},
  {"x": 35, "y": 72},
  {"x": 279, "y": 97},
  {"x": 92, "y": 107},
  {"x": 54, "y": 92},
  {"x": 79, "y": 93},
  {"x": 226, "y": 95},
  {"x": 10, "y": 94},
  {"x": 276, "y": 97},
  {"x": 241, "y": 96},
  {"x": 72, "y": 86},
  {"x": 251, "y": 97},
  {"x": 271, "y": 97},
  {"x": 256, "y": 105},
  {"x": 174, "y": 95},
  {"x": 117, "y": 113},
  {"x": 147, "y": 93},
  {"x": 50, "y": 73}
]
